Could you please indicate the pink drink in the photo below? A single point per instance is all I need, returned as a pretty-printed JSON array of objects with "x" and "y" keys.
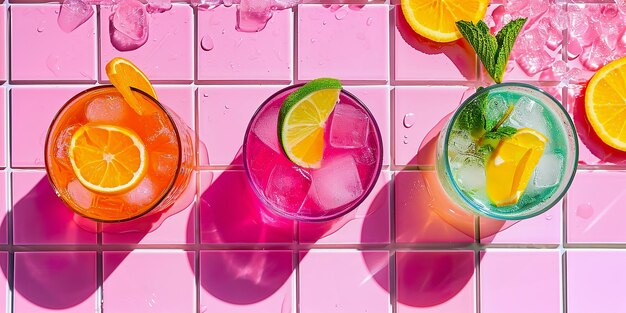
[{"x": 349, "y": 169}]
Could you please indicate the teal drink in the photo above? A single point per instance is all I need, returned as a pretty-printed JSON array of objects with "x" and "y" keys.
[{"x": 509, "y": 152}]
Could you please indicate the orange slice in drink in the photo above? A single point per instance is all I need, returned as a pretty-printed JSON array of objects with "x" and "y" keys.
[
  {"x": 123, "y": 74},
  {"x": 511, "y": 165},
  {"x": 106, "y": 158},
  {"x": 605, "y": 103}
]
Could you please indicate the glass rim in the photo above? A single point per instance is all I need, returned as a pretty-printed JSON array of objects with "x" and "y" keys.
[
  {"x": 325, "y": 218},
  {"x": 84, "y": 93},
  {"x": 478, "y": 209}
]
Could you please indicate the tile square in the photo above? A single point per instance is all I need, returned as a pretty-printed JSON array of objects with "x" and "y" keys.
[
  {"x": 4, "y": 227},
  {"x": 180, "y": 99},
  {"x": 420, "y": 59},
  {"x": 230, "y": 212},
  {"x": 595, "y": 280},
  {"x": 41, "y": 51},
  {"x": 435, "y": 281},
  {"x": 333, "y": 281},
  {"x": 39, "y": 215},
  {"x": 3, "y": 34},
  {"x": 594, "y": 215},
  {"x": 425, "y": 214},
  {"x": 542, "y": 229},
  {"x": 368, "y": 223},
  {"x": 227, "y": 55},
  {"x": 167, "y": 56},
  {"x": 520, "y": 281},
  {"x": 423, "y": 109},
  {"x": 2, "y": 126},
  {"x": 55, "y": 282},
  {"x": 224, "y": 113},
  {"x": 349, "y": 44},
  {"x": 4, "y": 284},
  {"x": 377, "y": 100},
  {"x": 266, "y": 277},
  {"x": 29, "y": 130},
  {"x": 148, "y": 281}
]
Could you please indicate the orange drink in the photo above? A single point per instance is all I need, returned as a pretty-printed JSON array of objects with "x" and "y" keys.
[{"x": 110, "y": 161}]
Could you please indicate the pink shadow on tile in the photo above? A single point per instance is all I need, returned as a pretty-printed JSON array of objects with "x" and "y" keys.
[
  {"x": 459, "y": 53},
  {"x": 55, "y": 281},
  {"x": 592, "y": 149}
]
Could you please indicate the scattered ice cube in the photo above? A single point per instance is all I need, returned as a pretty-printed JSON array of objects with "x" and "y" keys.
[
  {"x": 337, "y": 183},
  {"x": 533, "y": 62},
  {"x": 63, "y": 145},
  {"x": 349, "y": 127},
  {"x": 142, "y": 194},
  {"x": 460, "y": 141},
  {"x": 158, "y": 6},
  {"x": 528, "y": 113},
  {"x": 598, "y": 55},
  {"x": 73, "y": 13},
  {"x": 266, "y": 128},
  {"x": 533, "y": 40},
  {"x": 578, "y": 23},
  {"x": 496, "y": 108},
  {"x": 288, "y": 186},
  {"x": 574, "y": 49},
  {"x": 548, "y": 170},
  {"x": 128, "y": 25},
  {"x": 558, "y": 17},
  {"x": 285, "y": 4},
  {"x": 108, "y": 109},
  {"x": 80, "y": 195},
  {"x": 253, "y": 15},
  {"x": 470, "y": 172}
]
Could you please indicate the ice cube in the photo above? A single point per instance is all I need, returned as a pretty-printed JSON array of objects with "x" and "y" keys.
[
  {"x": 128, "y": 25},
  {"x": 578, "y": 23},
  {"x": 63, "y": 145},
  {"x": 533, "y": 62},
  {"x": 158, "y": 6},
  {"x": 495, "y": 110},
  {"x": 548, "y": 170},
  {"x": 157, "y": 130},
  {"x": 266, "y": 128},
  {"x": 253, "y": 15},
  {"x": 80, "y": 195},
  {"x": 336, "y": 183},
  {"x": 287, "y": 187},
  {"x": 163, "y": 164},
  {"x": 460, "y": 141},
  {"x": 349, "y": 127},
  {"x": 599, "y": 54},
  {"x": 108, "y": 109},
  {"x": 533, "y": 40},
  {"x": 558, "y": 17},
  {"x": 365, "y": 156},
  {"x": 142, "y": 194},
  {"x": 470, "y": 172},
  {"x": 73, "y": 13},
  {"x": 528, "y": 113}
]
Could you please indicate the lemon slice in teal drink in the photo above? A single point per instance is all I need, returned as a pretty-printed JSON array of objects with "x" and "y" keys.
[{"x": 302, "y": 119}]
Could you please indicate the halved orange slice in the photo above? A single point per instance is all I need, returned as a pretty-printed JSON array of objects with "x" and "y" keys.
[{"x": 106, "y": 158}]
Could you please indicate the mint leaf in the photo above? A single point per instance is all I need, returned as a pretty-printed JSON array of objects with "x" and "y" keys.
[
  {"x": 471, "y": 118},
  {"x": 493, "y": 51},
  {"x": 501, "y": 133}
]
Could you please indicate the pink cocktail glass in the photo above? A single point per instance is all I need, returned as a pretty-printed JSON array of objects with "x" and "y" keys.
[{"x": 350, "y": 165}]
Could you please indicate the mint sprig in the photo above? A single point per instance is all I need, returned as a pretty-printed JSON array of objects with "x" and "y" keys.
[{"x": 493, "y": 51}]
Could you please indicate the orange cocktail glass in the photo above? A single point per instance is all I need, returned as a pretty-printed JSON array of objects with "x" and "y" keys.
[{"x": 100, "y": 117}]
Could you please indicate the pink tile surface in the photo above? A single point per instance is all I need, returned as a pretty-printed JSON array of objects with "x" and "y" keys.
[
  {"x": 3, "y": 92},
  {"x": 4, "y": 231},
  {"x": 41, "y": 51},
  {"x": 420, "y": 211},
  {"x": 418, "y": 59},
  {"x": 368, "y": 223},
  {"x": 149, "y": 281},
  {"x": 229, "y": 55},
  {"x": 167, "y": 56},
  {"x": 3, "y": 35},
  {"x": 542, "y": 229},
  {"x": 435, "y": 281},
  {"x": 39, "y": 216},
  {"x": 28, "y": 130},
  {"x": 333, "y": 281},
  {"x": 594, "y": 281},
  {"x": 520, "y": 281},
  {"x": 266, "y": 276},
  {"x": 55, "y": 282},
  {"x": 223, "y": 117},
  {"x": 594, "y": 215},
  {"x": 421, "y": 108},
  {"x": 339, "y": 44}
]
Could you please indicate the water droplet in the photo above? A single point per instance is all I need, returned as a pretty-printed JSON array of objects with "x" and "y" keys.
[
  {"x": 313, "y": 40},
  {"x": 204, "y": 309},
  {"x": 406, "y": 142},
  {"x": 207, "y": 43},
  {"x": 585, "y": 210},
  {"x": 405, "y": 136},
  {"x": 341, "y": 14},
  {"x": 324, "y": 22},
  {"x": 548, "y": 217},
  {"x": 408, "y": 121},
  {"x": 206, "y": 95},
  {"x": 369, "y": 21},
  {"x": 40, "y": 29},
  {"x": 223, "y": 31},
  {"x": 226, "y": 106},
  {"x": 56, "y": 11},
  {"x": 53, "y": 62}
]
